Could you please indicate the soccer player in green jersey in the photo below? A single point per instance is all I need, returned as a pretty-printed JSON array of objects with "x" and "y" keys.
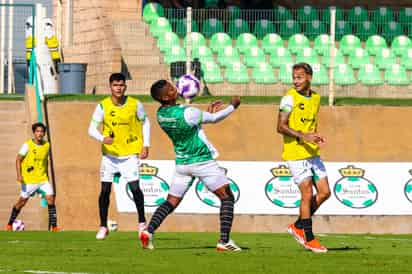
[{"x": 194, "y": 158}]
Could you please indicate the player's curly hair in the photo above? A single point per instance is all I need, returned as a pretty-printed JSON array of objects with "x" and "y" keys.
[
  {"x": 36, "y": 125},
  {"x": 156, "y": 89}
]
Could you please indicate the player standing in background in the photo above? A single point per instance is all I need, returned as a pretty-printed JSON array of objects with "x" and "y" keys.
[
  {"x": 297, "y": 122},
  {"x": 125, "y": 139},
  {"x": 32, "y": 169},
  {"x": 194, "y": 158}
]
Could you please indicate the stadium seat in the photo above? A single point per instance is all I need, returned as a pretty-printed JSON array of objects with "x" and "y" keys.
[
  {"x": 339, "y": 58},
  {"x": 406, "y": 59},
  {"x": 279, "y": 57},
  {"x": 322, "y": 44},
  {"x": 369, "y": 75},
  {"x": 365, "y": 29},
  {"x": 253, "y": 56},
  {"x": 228, "y": 56},
  {"x": 326, "y": 14},
  {"x": 342, "y": 28},
  {"x": 285, "y": 73},
  {"x": 401, "y": 44},
  {"x": 349, "y": 43},
  {"x": 391, "y": 30},
  {"x": 179, "y": 25},
  {"x": 211, "y": 72},
  {"x": 358, "y": 57},
  {"x": 211, "y": 3},
  {"x": 237, "y": 73},
  {"x": 282, "y": 14},
  {"x": 382, "y": 15},
  {"x": 396, "y": 75},
  {"x": 385, "y": 58},
  {"x": 152, "y": 11},
  {"x": 405, "y": 15},
  {"x": 203, "y": 53},
  {"x": 307, "y": 55},
  {"x": 234, "y": 11},
  {"x": 297, "y": 42},
  {"x": 167, "y": 40},
  {"x": 358, "y": 14},
  {"x": 289, "y": 28},
  {"x": 374, "y": 44},
  {"x": 159, "y": 26},
  {"x": 245, "y": 41},
  {"x": 320, "y": 75},
  {"x": 211, "y": 26},
  {"x": 263, "y": 74},
  {"x": 308, "y": 13},
  {"x": 175, "y": 54},
  {"x": 220, "y": 40},
  {"x": 263, "y": 27},
  {"x": 271, "y": 41},
  {"x": 237, "y": 27},
  {"x": 197, "y": 40},
  {"x": 343, "y": 75},
  {"x": 314, "y": 29}
]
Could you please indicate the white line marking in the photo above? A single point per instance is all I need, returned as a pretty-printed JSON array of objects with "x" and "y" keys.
[{"x": 52, "y": 272}]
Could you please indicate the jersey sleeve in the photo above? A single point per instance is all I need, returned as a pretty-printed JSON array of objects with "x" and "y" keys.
[
  {"x": 141, "y": 114},
  {"x": 24, "y": 150},
  {"x": 286, "y": 104},
  {"x": 193, "y": 116},
  {"x": 97, "y": 118}
]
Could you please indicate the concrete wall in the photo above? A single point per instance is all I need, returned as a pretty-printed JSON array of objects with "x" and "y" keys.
[{"x": 353, "y": 134}]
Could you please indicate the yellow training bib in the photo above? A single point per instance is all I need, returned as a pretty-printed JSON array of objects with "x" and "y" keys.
[{"x": 35, "y": 163}]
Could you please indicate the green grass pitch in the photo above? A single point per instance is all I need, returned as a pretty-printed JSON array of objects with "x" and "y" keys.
[{"x": 79, "y": 252}]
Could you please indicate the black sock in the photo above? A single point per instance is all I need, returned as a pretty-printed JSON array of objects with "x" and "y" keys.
[
  {"x": 313, "y": 205},
  {"x": 298, "y": 223},
  {"x": 138, "y": 198},
  {"x": 104, "y": 201},
  {"x": 52, "y": 216},
  {"x": 14, "y": 213},
  {"x": 226, "y": 218},
  {"x": 307, "y": 227},
  {"x": 160, "y": 214}
]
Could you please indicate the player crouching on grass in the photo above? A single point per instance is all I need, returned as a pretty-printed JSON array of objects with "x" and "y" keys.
[
  {"x": 32, "y": 167},
  {"x": 194, "y": 158}
]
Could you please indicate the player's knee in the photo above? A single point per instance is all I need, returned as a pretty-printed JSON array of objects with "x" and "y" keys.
[
  {"x": 224, "y": 193},
  {"x": 324, "y": 195},
  {"x": 134, "y": 187},
  {"x": 50, "y": 200},
  {"x": 21, "y": 203}
]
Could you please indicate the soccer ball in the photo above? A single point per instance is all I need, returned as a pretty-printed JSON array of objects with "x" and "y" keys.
[
  {"x": 188, "y": 86},
  {"x": 18, "y": 225},
  {"x": 112, "y": 225}
]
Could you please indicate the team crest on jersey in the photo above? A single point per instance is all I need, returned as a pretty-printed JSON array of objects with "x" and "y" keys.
[
  {"x": 281, "y": 190},
  {"x": 408, "y": 188},
  {"x": 154, "y": 188},
  {"x": 354, "y": 190}
]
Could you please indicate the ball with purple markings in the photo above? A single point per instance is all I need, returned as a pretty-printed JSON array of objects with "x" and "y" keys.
[
  {"x": 188, "y": 86},
  {"x": 18, "y": 225}
]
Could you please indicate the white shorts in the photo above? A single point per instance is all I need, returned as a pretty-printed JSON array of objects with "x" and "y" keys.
[
  {"x": 209, "y": 172},
  {"x": 29, "y": 189},
  {"x": 307, "y": 168},
  {"x": 127, "y": 167}
]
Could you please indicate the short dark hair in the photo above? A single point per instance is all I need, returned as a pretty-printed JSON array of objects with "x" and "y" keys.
[
  {"x": 156, "y": 88},
  {"x": 305, "y": 66},
  {"x": 36, "y": 125},
  {"x": 117, "y": 77}
]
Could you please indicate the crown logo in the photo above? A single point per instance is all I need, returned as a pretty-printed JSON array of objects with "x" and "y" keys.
[
  {"x": 145, "y": 169},
  {"x": 281, "y": 171},
  {"x": 351, "y": 171}
]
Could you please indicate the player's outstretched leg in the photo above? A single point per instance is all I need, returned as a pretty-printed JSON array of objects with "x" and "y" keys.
[
  {"x": 138, "y": 198},
  {"x": 104, "y": 201},
  {"x": 15, "y": 212},
  {"x": 52, "y": 214}
]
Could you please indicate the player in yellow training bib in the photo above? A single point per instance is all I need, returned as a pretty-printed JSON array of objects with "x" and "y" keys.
[
  {"x": 125, "y": 138},
  {"x": 32, "y": 167},
  {"x": 297, "y": 122}
]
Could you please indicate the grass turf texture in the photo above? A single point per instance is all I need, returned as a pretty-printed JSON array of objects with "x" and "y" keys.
[{"x": 69, "y": 252}]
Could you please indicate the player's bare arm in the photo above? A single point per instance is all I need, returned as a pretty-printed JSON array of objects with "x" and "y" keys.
[
  {"x": 144, "y": 153},
  {"x": 19, "y": 160}
]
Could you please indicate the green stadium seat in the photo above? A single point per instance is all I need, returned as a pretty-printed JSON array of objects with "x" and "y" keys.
[
  {"x": 322, "y": 44},
  {"x": 391, "y": 30},
  {"x": 167, "y": 40},
  {"x": 282, "y": 14},
  {"x": 245, "y": 41},
  {"x": 342, "y": 28},
  {"x": 358, "y": 14},
  {"x": 406, "y": 59},
  {"x": 211, "y": 3},
  {"x": 308, "y": 13},
  {"x": 314, "y": 29},
  {"x": 280, "y": 56},
  {"x": 320, "y": 75},
  {"x": 289, "y": 28},
  {"x": 212, "y": 26},
  {"x": 237, "y": 73},
  {"x": 211, "y": 72},
  {"x": 159, "y": 26},
  {"x": 263, "y": 74},
  {"x": 197, "y": 40},
  {"x": 152, "y": 11},
  {"x": 175, "y": 54},
  {"x": 297, "y": 42},
  {"x": 401, "y": 44},
  {"x": 234, "y": 11},
  {"x": 263, "y": 27},
  {"x": 220, "y": 40},
  {"x": 343, "y": 75},
  {"x": 382, "y": 15},
  {"x": 358, "y": 58},
  {"x": 237, "y": 27},
  {"x": 405, "y": 15},
  {"x": 326, "y": 14},
  {"x": 285, "y": 73},
  {"x": 374, "y": 44},
  {"x": 369, "y": 75},
  {"x": 385, "y": 58},
  {"x": 339, "y": 58},
  {"x": 203, "y": 53},
  {"x": 179, "y": 25},
  {"x": 228, "y": 56},
  {"x": 349, "y": 43},
  {"x": 365, "y": 29},
  {"x": 271, "y": 41},
  {"x": 253, "y": 56},
  {"x": 307, "y": 55},
  {"x": 396, "y": 75}
]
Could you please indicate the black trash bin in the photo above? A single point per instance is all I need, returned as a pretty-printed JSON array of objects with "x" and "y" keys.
[{"x": 72, "y": 78}]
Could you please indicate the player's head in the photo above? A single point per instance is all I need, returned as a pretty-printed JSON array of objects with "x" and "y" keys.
[
  {"x": 164, "y": 92},
  {"x": 39, "y": 130},
  {"x": 117, "y": 84},
  {"x": 302, "y": 75}
]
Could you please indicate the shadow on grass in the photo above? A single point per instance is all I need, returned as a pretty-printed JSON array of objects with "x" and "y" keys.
[
  {"x": 193, "y": 248},
  {"x": 344, "y": 248}
]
